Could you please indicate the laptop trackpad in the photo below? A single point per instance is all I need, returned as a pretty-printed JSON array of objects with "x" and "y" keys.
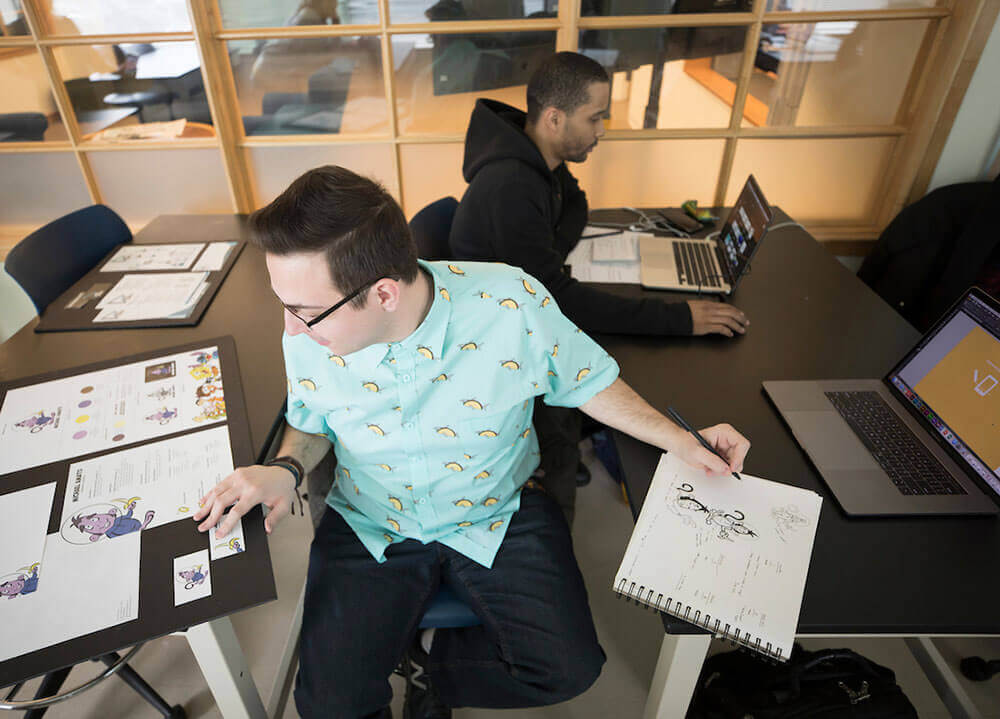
[{"x": 829, "y": 441}]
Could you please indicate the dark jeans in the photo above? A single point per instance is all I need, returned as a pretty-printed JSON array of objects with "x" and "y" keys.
[{"x": 536, "y": 644}]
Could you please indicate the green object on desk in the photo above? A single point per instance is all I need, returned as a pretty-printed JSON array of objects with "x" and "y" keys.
[{"x": 703, "y": 216}]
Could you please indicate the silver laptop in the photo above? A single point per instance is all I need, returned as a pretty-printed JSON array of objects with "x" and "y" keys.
[
  {"x": 705, "y": 265},
  {"x": 925, "y": 439}
]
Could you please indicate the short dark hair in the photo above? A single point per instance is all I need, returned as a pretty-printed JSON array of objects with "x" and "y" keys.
[
  {"x": 352, "y": 218},
  {"x": 563, "y": 82}
]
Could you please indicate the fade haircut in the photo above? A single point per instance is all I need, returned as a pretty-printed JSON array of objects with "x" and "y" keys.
[
  {"x": 562, "y": 81},
  {"x": 351, "y": 218}
]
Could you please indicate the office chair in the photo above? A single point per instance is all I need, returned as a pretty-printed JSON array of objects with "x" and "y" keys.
[
  {"x": 53, "y": 257},
  {"x": 935, "y": 249},
  {"x": 430, "y": 229},
  {"x": 23, "y": 126}
]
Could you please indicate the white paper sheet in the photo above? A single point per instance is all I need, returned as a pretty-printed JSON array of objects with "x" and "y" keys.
[
  {"x": 152, "y": 484},
  {"x": 737, "y": 551},
  {"x": 86, "y": 588},
  {"x": 129, "y": 258},
  {"x": 22, "y": 540},
  {"x": 228, "y": 545},
  {"x": 131, "y": 312},
  {"x": 91, "y": 412},
  {"x": 623, "y": 247},
  {"x": 192, "y": 577},
  {"x": 585, "y": 269},
  {"x": 214, "y": 257},
  {"x": 160, "y": 288}
]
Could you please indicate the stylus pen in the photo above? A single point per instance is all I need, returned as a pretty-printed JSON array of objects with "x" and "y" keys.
[{"x": 680, "y": 420}]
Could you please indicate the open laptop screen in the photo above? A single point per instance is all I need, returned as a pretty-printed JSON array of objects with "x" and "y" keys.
[
  {"x": 952, "y": 381},
  {"x": 743, "y": 230}
]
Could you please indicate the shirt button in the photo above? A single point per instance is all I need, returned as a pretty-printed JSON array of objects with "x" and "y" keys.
[
  {"x": 408, "y": 425},
  {"x": 421, "y": 501},
  {"x": 407, "y": 377}
]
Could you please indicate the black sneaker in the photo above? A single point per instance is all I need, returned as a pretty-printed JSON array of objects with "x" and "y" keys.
[{"x": 421, "y": 700}]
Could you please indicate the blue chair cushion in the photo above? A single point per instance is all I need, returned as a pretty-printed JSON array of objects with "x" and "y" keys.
[
  {"x": 447, "y": 611},
  {"x": 49, "y": 260}
]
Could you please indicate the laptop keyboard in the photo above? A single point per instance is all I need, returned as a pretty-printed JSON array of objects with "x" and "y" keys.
[
  {"x": 694, "y": 264},
  {"x": 912, "y": 468}
]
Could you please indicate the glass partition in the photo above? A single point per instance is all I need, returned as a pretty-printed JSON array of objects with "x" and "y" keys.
[
  {"x": 658, "y": 77},
  {"x": 288, "y": 13},
  {"x": 28, "y": 112},
  {"x": 439, "y": 77},
  {"x": 113, "y": 88},
  {"x": 141, "y": 184},
  {"x": 308, "y": 86}
]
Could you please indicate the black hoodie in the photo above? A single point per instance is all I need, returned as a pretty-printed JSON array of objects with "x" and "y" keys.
[{"x": 517, "y": 211}]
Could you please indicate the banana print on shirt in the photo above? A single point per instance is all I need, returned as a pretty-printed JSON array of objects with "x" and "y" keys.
[{"x": 433, "y": 433}]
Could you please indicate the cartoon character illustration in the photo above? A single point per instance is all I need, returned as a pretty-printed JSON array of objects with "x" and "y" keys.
[
  {"x": 37, "y": 422},
  {"x": 787, "y": 521},
  {"x": 212, "y": 408},
  {"x": 233, "y": 544},
  {"x": 208, "y": 389},
  {"x": 205, "y": 357},
  {"x": 21, "y": 585},
  {"x": 204, "y": 371},
  {"x": 193, "y": 577},
  {"x": 162, "y": 394},
  {"x": 164, "y": 370},
  {"x": 162, "y": 415},
  {"x": 728, "y": 522},
  {"x": 109, "y": 524}
]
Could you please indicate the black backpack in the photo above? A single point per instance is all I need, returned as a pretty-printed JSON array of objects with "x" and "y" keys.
[{"x": 828, "y": 683}]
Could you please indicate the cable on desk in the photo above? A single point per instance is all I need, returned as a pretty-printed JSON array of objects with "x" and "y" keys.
[{"x": 790, "y": 223}]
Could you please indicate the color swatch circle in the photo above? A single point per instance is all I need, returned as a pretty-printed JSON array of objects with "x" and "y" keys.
[
  {"x": 80, "y": 435},
  {"x": 85, "y": 403},
  {"x": 118, "y": 437},
  {"x": 82, "y": 418},
  {"x": 86, "y": 389}
]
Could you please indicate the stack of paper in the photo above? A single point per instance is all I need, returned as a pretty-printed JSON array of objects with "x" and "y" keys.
[
  {"x": 604, "y": 255},
  {"x": 168, "y": 295}
]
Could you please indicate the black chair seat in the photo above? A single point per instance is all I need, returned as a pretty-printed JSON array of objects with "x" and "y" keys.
[{"x": 430, "y": 229}]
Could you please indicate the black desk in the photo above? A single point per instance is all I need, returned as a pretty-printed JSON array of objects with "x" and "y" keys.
[
  {"x": 810, "y": 318},
  {"x": 241, "y": 309}
]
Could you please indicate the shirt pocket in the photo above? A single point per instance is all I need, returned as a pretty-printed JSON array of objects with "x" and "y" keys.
[{"x": 493, "y": 432}]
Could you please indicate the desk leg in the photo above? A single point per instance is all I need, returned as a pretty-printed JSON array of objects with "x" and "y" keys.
[
  {"x": 221, "y": 659},
  {"x": 942, "y": 678},
  {"x": 677, "y": 670}
]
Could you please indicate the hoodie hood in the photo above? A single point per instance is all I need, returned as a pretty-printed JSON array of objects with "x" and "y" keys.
[{"x": 496, "y": 132}]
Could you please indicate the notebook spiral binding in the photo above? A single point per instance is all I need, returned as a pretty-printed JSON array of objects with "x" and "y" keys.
[{"x": 733, "y": 635}]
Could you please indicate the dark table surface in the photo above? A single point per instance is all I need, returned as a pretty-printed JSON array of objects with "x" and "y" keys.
[
  {"x": 812, "y": 319},
  {"x": 245, "y": 309}
]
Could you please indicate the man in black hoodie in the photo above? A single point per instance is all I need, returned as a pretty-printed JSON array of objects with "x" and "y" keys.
[{"x": 524, "y": 208}]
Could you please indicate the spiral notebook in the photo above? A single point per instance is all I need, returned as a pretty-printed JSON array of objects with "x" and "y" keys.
[{"x": 730, "y": 556}]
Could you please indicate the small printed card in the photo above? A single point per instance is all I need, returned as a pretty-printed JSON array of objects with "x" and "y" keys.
[{"x": 192, "y": 578}]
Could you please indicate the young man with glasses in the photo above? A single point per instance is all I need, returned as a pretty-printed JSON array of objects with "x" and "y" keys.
[{"x": 422, "y": 375}]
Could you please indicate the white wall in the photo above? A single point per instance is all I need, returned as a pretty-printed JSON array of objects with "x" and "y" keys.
[{"x": 974, "y": 140}]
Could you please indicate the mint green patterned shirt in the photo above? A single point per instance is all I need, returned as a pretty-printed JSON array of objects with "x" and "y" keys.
[{"x": 433, "y": 434}]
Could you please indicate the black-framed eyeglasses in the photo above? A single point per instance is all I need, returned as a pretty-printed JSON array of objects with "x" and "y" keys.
[{"x": 326, "y": 313}]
